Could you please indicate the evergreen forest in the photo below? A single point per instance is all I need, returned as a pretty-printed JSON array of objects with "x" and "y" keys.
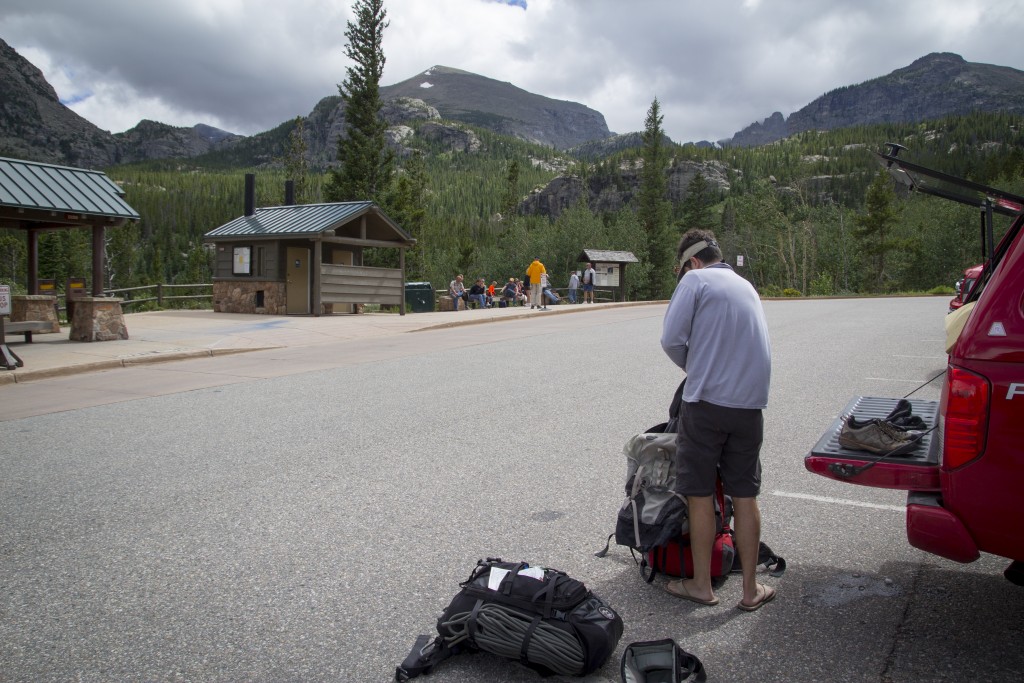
[{"x": 812, "y": 215}]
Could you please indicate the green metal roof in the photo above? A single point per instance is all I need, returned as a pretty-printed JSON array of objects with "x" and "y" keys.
[
  {"x": 34, "y": 186},
  {"x": 302, "y": 219}
]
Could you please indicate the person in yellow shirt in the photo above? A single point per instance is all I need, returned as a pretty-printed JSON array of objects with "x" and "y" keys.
[{"x": 534, "y": 272}]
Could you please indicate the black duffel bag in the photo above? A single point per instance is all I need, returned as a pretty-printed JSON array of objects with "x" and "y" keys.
[{"x": 543, "y": 618}]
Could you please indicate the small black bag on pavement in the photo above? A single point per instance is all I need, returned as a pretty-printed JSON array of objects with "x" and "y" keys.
[{"x": 660, "y": 661}]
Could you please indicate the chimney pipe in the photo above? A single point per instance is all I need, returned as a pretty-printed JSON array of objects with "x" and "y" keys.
[
  {"x": 289, "y": 192},
  {"x": 250, "y": 194}
]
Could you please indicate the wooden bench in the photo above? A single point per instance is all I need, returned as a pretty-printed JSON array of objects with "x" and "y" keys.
[{"x": 27, "y": 328}]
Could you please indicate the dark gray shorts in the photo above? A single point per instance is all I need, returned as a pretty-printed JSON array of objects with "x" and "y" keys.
[{"x": 714, "y": 438}]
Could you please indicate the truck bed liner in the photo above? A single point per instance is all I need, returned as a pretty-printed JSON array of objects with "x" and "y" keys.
[
  {"x": 916, "y": 470},
  {"x": 870, "y": 407}
]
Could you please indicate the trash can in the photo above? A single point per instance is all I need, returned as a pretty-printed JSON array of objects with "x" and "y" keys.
[{"x": 419, "y": 297}]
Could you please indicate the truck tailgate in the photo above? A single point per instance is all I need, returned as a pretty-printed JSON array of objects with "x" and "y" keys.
[{"x": 917, "y": 470}]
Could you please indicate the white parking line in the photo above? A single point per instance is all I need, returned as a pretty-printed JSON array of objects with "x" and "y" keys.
[
  {"x": 839, "y": 501},
  {"x": 891, "y": 379}
]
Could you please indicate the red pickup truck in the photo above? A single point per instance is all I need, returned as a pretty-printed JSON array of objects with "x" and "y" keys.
[{"x": 965, "y": 476}]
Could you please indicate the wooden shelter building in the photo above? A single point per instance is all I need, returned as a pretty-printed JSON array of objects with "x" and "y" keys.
[{"x": 305, "y": 259}]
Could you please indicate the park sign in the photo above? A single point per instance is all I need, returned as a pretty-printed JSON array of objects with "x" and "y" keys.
[{"x": 5, "y": 300}]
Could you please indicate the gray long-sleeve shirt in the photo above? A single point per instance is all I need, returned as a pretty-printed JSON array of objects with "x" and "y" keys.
[{"x": 716, "y": 331}]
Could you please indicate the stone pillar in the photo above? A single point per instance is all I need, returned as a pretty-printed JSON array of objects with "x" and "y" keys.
[
  {"x": 35, "y": 307},
  {"x": 98, "y": 319}
]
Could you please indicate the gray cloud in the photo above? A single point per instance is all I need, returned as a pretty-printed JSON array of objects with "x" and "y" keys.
[{"x": 248, "y": 65}]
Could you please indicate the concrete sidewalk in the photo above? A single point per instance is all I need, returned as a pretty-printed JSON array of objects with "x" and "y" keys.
[{"x": 162, "y": 336}]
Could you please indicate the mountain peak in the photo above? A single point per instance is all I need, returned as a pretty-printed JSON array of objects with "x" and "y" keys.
[
  {"x": 441, "y": 69},
  {"x": 936, "y": 85},
  {"x": 938, "y": 58},
  {"x": 502, "y": 107}
]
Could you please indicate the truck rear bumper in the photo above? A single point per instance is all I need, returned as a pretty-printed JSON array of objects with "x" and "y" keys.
[{"x": 936, "y": 530}]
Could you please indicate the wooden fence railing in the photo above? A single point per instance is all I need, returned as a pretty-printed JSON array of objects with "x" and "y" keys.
[{"x": 159, "y": 296}]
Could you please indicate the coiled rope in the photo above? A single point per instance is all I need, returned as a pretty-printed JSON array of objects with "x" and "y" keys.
[{"x": 502, "y": 631}]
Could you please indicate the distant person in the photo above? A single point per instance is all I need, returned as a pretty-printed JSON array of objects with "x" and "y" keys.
[
  {"x": 574, "y": 284},
  {"x": 509, "y": 296},
  {"x": 588, "y": 283},
  {"x": 520, "y": 292},
  {"x": 534, "y": 271},
  {"x": 457, "y": 291},
  {"x": 478, "y": 293}
]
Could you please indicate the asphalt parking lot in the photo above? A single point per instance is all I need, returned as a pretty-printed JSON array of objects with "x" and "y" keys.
[{"x": 302, "y": 513}]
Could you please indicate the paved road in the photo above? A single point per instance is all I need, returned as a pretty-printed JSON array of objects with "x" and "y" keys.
[{"x": 301, "y": 515}]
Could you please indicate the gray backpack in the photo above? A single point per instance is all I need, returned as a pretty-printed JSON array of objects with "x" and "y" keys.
[{"x": 653, "y": 513}]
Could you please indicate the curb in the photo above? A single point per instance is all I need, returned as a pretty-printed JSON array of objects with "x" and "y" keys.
[{"x": 20, "y": 376}]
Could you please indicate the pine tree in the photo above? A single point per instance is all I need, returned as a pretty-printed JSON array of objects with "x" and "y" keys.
[
  {"x": 365, "y": 162},
  {"x": 874, "y": 228},
  {"x": 697, "y": 205},
  {"x": 511, "y": 198},
  {"x": 296, "y": 164},
  {"x": 407, "y": 206},
  {"x": 654, "y": 210}
]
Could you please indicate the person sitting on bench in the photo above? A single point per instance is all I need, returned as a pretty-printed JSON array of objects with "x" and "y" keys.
[
  {"x": 478, "y": 293},
  {"x": 457, "y": 290}
]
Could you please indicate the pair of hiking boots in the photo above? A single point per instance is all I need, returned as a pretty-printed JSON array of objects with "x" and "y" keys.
[{"x": 895, "y": 434}]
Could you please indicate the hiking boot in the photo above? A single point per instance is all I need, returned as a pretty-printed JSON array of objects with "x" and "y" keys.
[
  {"x": 912, "y": 425},
  {"x": 876, "y": 436},
  {"x": 902, "y": 409}
]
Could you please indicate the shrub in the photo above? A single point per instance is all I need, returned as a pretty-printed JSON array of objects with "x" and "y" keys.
[
  {"x": 789, "y": 291},
  {"x": 822, "y": 285},
  {"x": 769, "y": 291}
]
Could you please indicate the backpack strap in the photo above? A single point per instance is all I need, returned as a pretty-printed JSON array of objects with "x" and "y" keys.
[
  {"x": 607, "y": 546},
  {"x": 425, "y": 654},
  {"x": 523, "y": 656},
  {"x": 775, "y": 564},
  {"x": 673, "y": 408},
  {"x": 690, "y": 665}
]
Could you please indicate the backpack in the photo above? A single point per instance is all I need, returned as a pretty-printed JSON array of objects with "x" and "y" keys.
[
  {"x": 543, "y": 618},
  {"x": 653, "y": 518}
]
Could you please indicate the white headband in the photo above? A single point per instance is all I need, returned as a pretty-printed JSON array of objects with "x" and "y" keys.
[{"x": 693, "y": 250}]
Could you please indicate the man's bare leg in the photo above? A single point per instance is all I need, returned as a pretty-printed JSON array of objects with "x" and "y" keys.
[
  {"x": 748, "y": 538},
  {"x": 702, "y": 542}
]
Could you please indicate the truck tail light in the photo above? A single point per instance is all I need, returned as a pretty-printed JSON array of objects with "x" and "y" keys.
[{"x": 966, "y": 417}]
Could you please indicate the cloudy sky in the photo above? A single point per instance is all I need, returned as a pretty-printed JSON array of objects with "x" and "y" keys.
[{"x": 715, "y": 66}]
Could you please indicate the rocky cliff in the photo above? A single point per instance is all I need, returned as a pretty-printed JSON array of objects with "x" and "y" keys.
[
  {"x": 35, "y": 125},
  {"x": 603, "y": 193}
]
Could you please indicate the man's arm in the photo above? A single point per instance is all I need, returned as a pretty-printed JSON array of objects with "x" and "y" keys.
[{"x": 675, "y": 333}]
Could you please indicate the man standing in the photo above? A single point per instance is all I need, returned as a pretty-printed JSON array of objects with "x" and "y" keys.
[
  {"x": 715, "y": 330},
  {"x": 534, "y": 272},
  {"x": 574, "y": 283},
  {"x": 588, "y": 283}
]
